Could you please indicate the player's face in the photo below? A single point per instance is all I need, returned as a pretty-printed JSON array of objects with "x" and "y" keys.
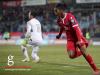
[{"x": 57, "y": 12}]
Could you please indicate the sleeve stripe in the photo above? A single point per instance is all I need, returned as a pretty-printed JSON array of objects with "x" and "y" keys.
[{"x": 75, "y": 25}]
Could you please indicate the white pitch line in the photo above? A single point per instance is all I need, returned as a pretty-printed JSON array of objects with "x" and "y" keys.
[{"x": 77, "y": 65}]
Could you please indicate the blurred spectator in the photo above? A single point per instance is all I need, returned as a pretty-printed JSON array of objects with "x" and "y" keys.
[
  {"x": 6, "y": 35},
  {"x": 14, "y": 19}
]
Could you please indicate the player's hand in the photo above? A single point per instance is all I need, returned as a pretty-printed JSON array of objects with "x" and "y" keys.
[
  {"x": 58, "y": 36},
  {"x": 27, "y": 35}
]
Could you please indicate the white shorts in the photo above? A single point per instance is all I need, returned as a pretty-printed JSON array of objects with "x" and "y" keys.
[{"x": 34, "y": 43}]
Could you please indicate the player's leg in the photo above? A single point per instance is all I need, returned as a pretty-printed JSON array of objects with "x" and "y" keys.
[
  {"x": 78, "y": 52},
  {"x": 24, "y": 50},
  {"x": 35, "y": 50},
  {"x": 73, "y": 50},
  {"x": 88, "y": 58}
]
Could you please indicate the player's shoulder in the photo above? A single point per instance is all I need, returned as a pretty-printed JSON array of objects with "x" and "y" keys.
[
  {"x": 34, "y": 20},
  {"x": 28, "y": 22}
]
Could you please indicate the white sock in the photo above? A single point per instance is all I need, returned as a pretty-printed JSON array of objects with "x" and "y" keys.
[
  {"x": 24, "y": 49},
  {"x": 34, "y": 52}
]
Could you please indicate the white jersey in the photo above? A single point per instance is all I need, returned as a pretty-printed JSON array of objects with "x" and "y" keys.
[{"x": 34, "y": 30}]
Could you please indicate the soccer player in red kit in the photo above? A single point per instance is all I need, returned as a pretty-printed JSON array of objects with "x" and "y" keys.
[{"x": 76, "y": 43}]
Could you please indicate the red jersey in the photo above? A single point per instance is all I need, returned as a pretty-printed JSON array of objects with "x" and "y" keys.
[{"x": 71, "y": 28}]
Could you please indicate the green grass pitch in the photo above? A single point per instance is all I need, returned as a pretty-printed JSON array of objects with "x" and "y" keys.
[{"x": 54, "y": 61}]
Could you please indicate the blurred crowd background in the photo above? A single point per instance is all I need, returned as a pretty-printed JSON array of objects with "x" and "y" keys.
[{"x": 13, "y": 15}]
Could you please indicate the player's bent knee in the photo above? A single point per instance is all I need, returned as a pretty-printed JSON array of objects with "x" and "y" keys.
[
  {"x": 71, "y": 57},
  {"x": 71, "y": 54}
]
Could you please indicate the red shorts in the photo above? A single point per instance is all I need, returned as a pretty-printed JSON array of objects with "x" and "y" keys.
[{"x": 71, "y": 45}]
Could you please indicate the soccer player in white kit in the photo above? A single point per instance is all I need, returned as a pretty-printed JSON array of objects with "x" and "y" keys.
[{"x": 33, "y": 37}]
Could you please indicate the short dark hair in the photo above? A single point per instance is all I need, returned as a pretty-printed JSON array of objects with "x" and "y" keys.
[
  {"x": 34, "y": 13},
  {"x": 61, "y": 6}
]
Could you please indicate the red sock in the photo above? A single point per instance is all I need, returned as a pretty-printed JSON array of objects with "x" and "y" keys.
[{"x": 90, "y": 61}]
